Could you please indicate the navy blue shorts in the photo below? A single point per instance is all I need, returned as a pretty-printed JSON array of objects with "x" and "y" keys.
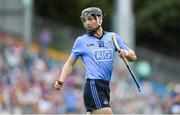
[{"x": 96, "y": 94}]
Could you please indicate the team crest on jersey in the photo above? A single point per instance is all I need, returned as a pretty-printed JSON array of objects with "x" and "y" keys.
[{"x": 103, "y": 54}]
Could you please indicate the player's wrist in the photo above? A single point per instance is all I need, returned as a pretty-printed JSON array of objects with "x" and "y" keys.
[
  {"x": 61, "y": 83},
  {"x": 58, "y": 84}
]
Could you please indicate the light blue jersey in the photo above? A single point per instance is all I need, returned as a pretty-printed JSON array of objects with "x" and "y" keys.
[{"x": 97, "y": 54}]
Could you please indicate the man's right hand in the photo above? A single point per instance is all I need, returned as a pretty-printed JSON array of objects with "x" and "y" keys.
[{"x": 58, "y": 84}]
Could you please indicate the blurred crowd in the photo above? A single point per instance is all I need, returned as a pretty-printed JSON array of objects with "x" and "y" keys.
[{"x": 27, "y": 79}]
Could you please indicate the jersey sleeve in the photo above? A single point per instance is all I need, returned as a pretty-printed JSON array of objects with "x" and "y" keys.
[
  {"x": 76, "y": 50},
  {"x": 121, "y": 43}
]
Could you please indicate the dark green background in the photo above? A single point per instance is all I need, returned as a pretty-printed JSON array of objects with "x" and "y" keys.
[{"x": 157, "y": 21}]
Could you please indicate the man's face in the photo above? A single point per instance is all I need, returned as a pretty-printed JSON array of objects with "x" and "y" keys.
[{"x": 90, "y": 23}]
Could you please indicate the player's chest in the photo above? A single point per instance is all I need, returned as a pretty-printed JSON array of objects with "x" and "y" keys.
[
  {"x": 99, "y": 49},
  {"x": 97, "y": 44}
]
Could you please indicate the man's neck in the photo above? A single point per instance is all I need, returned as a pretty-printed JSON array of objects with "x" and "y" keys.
[{"x": 98, "y": 33}]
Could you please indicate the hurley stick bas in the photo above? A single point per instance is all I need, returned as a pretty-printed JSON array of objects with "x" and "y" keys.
[{"x": 131, "y": 72}]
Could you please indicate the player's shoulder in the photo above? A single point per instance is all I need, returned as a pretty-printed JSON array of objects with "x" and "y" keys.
[
  {"x": 82, "y": 37},
  {"x": 117, "y": 36},
  {"x": 110, "y": 33},
  {"x": 85, "y": 35}
]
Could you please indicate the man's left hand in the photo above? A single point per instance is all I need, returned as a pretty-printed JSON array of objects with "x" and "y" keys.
[{"x": 123, "y": 53}]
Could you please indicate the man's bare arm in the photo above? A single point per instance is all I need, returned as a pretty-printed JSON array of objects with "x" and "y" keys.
[
  {"x": 129, "y": 55},
  {"x": 67, "y": 69}
]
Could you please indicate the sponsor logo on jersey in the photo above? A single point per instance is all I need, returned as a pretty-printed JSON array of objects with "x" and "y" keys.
[
  {"x": 90, "y": 44},
  {"x": 103, "y": 54}
]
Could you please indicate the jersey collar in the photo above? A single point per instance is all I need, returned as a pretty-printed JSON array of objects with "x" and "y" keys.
[{"x": 91, "y": 35}]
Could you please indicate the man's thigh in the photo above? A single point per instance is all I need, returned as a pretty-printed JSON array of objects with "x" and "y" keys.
[{"x": 106, "y": 110}]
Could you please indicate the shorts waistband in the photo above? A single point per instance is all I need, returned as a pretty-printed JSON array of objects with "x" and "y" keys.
[{"x": 99, "y": 81}]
